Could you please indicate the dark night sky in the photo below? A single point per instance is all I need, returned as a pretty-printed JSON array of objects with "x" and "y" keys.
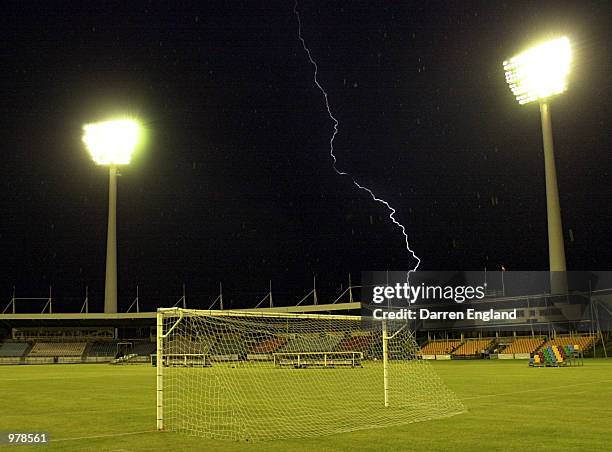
[{"x": 235, "y": 182}]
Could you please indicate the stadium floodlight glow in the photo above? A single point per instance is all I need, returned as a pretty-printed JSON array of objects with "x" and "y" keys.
[
  {"x": 536, "y": 75},
  {"x": 539, "y": 72},
  {"x": 112, "y": 142}
]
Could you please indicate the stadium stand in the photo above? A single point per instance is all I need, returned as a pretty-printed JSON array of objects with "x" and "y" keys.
[
  {"x": 227, "y": 343},
  {"x": 58, "y": 334},
  {"x": 356, "y": 342},
  {"x": 13, "y": 349},
  {"x": 100, "y": 352},
  {"x": 144, "y": 348},
  {"x": 472, "y": 347},
  {"x": 440, "y": 347},
  {"x": 269, "y": 345},
  {"x": 522, "y": 345},
  {"x": 13, "y": 352},
  {"x": 312, "y": 343},
  {"x": 232, "y": 347},
  {"x": 56, "y": 352},
  {"x": 103, "y": 349},
  {"x": 202, "y": 344},
  {"x": 582, "y": 343},
  {"x": 66, "y": 349}
]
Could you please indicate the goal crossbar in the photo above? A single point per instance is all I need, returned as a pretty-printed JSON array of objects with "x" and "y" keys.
[{"x": 256, "y": 314}]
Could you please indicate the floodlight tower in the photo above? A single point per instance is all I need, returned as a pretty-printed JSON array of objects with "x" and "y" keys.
[
  {"x": 111, "y": 143},
  {"x": 536, "y": 75}
]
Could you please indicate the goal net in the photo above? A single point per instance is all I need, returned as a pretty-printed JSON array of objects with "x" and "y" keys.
[{"x": 253, "y": 376}]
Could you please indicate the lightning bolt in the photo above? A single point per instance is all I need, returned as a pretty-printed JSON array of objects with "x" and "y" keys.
[{"x": 391, "y": 210}]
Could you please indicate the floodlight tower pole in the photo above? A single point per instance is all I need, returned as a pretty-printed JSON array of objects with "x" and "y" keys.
[
  {"x": 556, "y": 250},
  {"x": 110, "y": 288}
]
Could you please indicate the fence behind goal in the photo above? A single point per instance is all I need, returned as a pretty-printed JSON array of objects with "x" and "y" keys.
[{"x": 252, "y": 376}]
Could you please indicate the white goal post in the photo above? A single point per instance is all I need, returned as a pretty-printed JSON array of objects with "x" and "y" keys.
[{"x": 258, "y": 376}]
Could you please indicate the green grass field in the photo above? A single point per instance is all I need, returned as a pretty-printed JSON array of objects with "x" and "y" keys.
[{"x": 510, "y": 407}]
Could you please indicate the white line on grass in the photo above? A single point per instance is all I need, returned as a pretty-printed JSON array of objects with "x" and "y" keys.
[
  {"x": 107, "y": 410},
  {"x": 535, "y": 390},
  {"x": 108, "y": 435}
]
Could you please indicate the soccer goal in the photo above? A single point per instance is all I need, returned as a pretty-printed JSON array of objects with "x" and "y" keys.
[{"x": 259, "y": 376}]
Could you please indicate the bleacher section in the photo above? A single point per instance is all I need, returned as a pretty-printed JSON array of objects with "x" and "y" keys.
[
  {"x": 233, "y": 347},
  {"x": 472, "y": 347},
  {"x": 56, "y": 352},
  {"x": 101, "y": 352},
  {"x": 582, "y": 343},
  {"x": 356, "y": 342},
  {"x": 312, "y": 343},
  {"x": 440, "y": 347},
  {"x": 515, "y": 347},
  {"x": 103, "y": 349},
  {"x": 71, "y": 352},
  {"x": 201, "y": 344},
  {"x": 269, "y": 345},
  {"x": 143, "y": 351},
  {"x": 45, "y": 349},
  {"x": 228, "y": 347},
  {"x": 12, "y": 352},
  {"x": 556, "y": 356},
  {"x": 13, "y": 349},
  {"x": 522, "y": 346}
]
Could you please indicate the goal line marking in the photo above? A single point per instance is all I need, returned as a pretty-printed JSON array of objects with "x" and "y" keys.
[{"x": 534, "y": 390}]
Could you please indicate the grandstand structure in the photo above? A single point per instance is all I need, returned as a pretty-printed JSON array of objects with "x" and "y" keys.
[
  {"x": 473, "y": 347},
  {"x": 90, "y": 349},
  {"x": 511, "y": 347},
  {"x": 82, "y": 337},
  {"x": 440, "y": 347},
  {"x": 521, "y": 345}
]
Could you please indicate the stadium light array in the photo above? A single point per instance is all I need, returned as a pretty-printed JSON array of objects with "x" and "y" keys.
[
  {"x": 536, "y": 75},
  {"x": 112, "y": 142},
  {"x": 539, "y": 72}
]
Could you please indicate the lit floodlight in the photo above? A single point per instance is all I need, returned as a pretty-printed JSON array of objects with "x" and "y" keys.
[
  {"x": 539, "y": 72},
  {"x": 112, "y": 142}
]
